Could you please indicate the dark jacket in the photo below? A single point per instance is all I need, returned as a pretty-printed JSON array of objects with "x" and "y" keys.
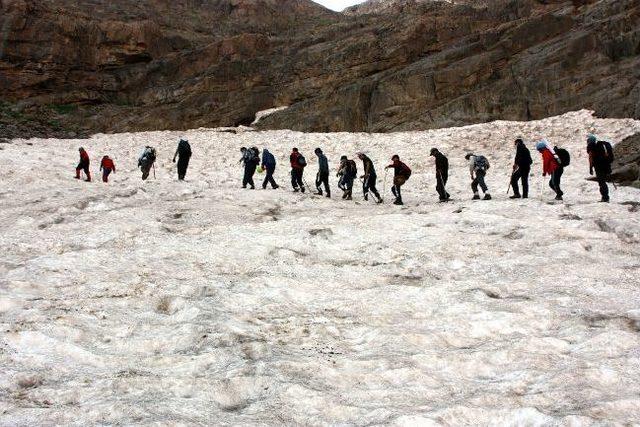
[
  {"x": 598, "y": 158},
  {"x": 367, "y": 164},
  {"x": 442, "y": 163},
  {"x": 523, "y": 157},
  {"x": 268, "y": 160},
  {"x": 400, "y": 169},
  {"x": 323, "y": 164}
]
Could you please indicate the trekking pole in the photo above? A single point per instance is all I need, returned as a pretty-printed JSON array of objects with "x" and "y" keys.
[
  {"x": 384, "y": 184},
  {"x": 511, "y": 179},
  {"x": 153, "y": 165}
]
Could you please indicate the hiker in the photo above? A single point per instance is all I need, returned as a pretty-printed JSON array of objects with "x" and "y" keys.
[
  {"x": 442, "y": 174},
  {"x": 551, "y": 166},
  {"x": 83, "y": 165},
  {"x": 600, "y": 159},
  {"x": 369, "y": 178},
  {"x": 322, "y": 178},
  {"x": 478, "y": 166},
  {"x": 269, "y": 165},
  {"x": 250, "y": 158},
  {"x": 521, "y": 170},
  {"x": 347, "y": 172},
  {"x": 183, "y": 152},
  {"x": 107, "y": 166},
  {"x": 298, "y": 163},
  {"x": 146, "y": 161},
  {"x": 401, "y": 174}
]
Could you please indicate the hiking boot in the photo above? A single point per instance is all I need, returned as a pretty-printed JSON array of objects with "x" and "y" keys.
[
  {"x": 476, "y": 197},
  {"x": 328, "y": 196},
  {"x": 344, "y": 196},
  {"x": 366, "y": 197},
  {"x": 443, "y": 200},
  {"x": 515, "y": 196},
  {"x": 318, "y": 193},
  {"x": 448, "y": 197},
  {"x": 525, "y": 196},
  {"x": 295, "y": 190},
  {"x": 379, "y": 200},
  {"x": 348, "y": 198},
  {"x": 604, "y": 200},
  {"x": 275, "y": 187},
  {"x": 398, "y": 202},
  {"x": 558, "y": 197},
  {"x": 487, "y": 196},
  {"x": 302, "y": 189}
]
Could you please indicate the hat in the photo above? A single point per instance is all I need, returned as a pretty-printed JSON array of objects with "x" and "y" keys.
[
  {"x": 519, "y": 141},
  {"x": 317, "y": 150},
  {"x": 541, "y": 145},
  {"x": 591, "y": 139},
  {"x": 468, "y": 156},
  {"x": 433, "y": 151},
  {"x": 343, "y": 158},
  {"x": 395, "y": 156}
]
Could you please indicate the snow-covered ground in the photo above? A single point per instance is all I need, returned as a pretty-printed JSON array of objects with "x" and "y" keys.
[{"x": 160, "y": 302}]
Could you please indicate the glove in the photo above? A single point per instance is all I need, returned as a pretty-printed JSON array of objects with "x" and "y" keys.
[{"x": 174, "y": 160}]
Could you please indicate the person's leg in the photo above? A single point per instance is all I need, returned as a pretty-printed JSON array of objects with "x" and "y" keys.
[
  {"x": 481, "y": 183},
  {"x": 373, "y": 178},
  {"x": 301, "y": 179},
  {"x": 78, "y": 169},
  {"x": 318, "y": 183},
  {"x": 399, "y": 193},
  {"x": 365, "y": 189},
  {"x": 474, "y": 188},
  {"x": 558, "y": 180},
  {"x": 440, "y": 188},
  {"x": 349, "y": 191},
  {"x": 252, "y": 172},
  {"x": 514, "y": 183},
  {"x": 87, "y": 172},
  {"x": 604, "y": 188},
  {"x": 294, "y": 182},
  {"x": 525, "y": 182},
  {"x": 245, "y": 178},
  {"x": 325, "y": 181}
]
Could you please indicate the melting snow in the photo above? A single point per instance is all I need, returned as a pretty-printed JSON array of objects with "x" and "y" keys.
[{"x": 201, "y": 303}]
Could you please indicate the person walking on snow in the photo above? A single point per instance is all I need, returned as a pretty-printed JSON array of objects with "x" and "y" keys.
[
  {"x": 83, "y": 165},
  {"x": 347, "y": 172},
  {"x": 107, "y": 166},
  {"x": 322, "y": 178},
  {"x": 478, "y": 166},
  {"x": 269, "y": 165},
  {"x": 369, "y": 178},
  {"x": 183, "y": 152},
  {"x": 250, "y": 158},
  {"x": 298, "y": 163},
  {"x": 600, "y": 159},
  {"x": 146, "y": 160},
  {"x": 521, "y": 170},
  {"x": 551, "y": 166},
  {"x": 442, "y": 174},
  {"x": 401, "y": 173}
]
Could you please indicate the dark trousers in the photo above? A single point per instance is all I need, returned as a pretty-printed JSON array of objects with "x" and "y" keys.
[
  {"x": 296, "y": 178},
  {"x": 479, "y": 181},
  {"x": 269, "y": 178},
  {"x": 105, "y": 174},
  {"x": 521, "y": 173},
  {"x": 346, "y": 185},
  {"x": 601, "y": 176},
  {"x": 398, "y": 182},
  {"x": 83, "y": 166},
  {"x": 441, "y": 184},
  {"x": 183, "y": 164},
  {"x": 323, "y": 179},
  {"x": 249, "y": 171},
  {"x": 369, "y": 184},
  {"x": 554, "y": 182}
]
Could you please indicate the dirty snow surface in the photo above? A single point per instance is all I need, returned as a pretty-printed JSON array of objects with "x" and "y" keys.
[{"x": 161, "y": 302}]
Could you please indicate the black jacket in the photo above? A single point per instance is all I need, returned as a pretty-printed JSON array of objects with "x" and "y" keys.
[
  {"x": 442, "y": 163},
  {"x": 523, "y": 157}
]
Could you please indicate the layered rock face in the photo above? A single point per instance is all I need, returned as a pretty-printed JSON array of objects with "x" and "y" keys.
[{"x": 155, "y": 64}]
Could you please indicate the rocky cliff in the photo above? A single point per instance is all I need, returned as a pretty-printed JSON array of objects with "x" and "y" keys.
[{"x": 77, "y": 67}]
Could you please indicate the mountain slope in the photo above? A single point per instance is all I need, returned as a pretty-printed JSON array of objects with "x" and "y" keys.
[{"x": 177, "y": 65}]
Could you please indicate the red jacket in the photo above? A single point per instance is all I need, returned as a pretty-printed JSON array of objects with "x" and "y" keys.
[
  {"x": 293, "y": 158},
  {"x": 549, "y": 163},
  {"x": 84, "y": 156},
  {"x": 107, "y": 163}
]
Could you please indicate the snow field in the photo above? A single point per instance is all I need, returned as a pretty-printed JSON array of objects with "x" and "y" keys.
[{"x": 193, "y": 303}]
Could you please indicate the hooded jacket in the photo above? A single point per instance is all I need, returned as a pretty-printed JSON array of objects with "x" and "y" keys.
[
  {"x": 549, "y": 162},
  {"x": 523, "y": 156}
]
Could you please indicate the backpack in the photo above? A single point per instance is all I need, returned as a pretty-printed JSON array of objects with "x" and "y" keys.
[
  {"x": 352, "y": 169},
  {"x": 405, "y": 171},
  {"x": 481, "y": 163},
  {"x": 607, "y": 150},
  {"x": 302, "y": 161},
  {"x": 563, "y": 155},
  {"x": 184, "y": 149}
]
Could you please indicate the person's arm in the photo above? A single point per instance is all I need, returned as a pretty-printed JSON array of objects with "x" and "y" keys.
[
  {"x": 114, "y": 167},
  {"x": 176, "y": 154},
  {"x": 101, "y": 164}
]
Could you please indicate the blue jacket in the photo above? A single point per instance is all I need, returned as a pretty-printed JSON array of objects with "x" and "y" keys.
[{"x": 268, "y": 161}]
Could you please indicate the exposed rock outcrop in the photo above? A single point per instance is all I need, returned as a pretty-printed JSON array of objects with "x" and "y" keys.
[{"x": 151, "y": 64}]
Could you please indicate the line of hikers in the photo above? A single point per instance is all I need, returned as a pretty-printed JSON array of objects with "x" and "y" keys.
[{"x": 554, "y": 160}]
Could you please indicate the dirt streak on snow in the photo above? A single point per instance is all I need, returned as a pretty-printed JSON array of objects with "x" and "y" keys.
[{"x": 200, "y": 303}]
